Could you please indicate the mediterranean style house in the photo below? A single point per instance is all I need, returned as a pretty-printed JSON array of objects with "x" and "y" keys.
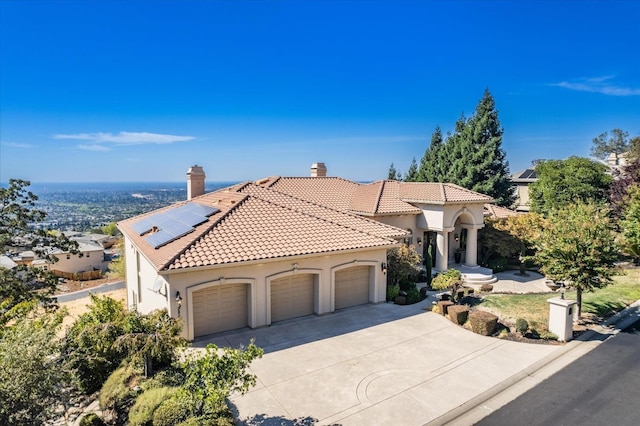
[{"x": 283, "y": 247}]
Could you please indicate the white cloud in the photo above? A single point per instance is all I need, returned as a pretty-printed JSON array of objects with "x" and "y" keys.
[
  {"x": 17, "y": 145},
  {"x": 126, "y": 138},
  {"x": 601, "y": 85},
  {"x": 95, "y": 147}
]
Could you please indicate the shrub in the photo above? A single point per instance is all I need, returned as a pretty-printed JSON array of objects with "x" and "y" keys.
[
  {"x": 458, "y": 313},
  {"x": 91, "y": 419},
  {"x": 547, "y": 335},
  {"x": 483, "y": 322},
  {"x": 406, "y": 284},
  {"x": 498, "y": 264},
  {"x": 141, "y": 414},
  {"x": 118, "y": 394},
  {"x": 392, "y": 292},
  {"x": 485, "y": 288},
  {"x": 413, "y": 295},
  {"x": 446, "y": 280},
  {"x": 171, "y": 412},
  {"x": 522, "y": 326}
]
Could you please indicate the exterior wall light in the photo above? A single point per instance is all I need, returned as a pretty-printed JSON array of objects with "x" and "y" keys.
[
  {"x": 456, "y": 237},
  {"x": 179, "y": 300},
  {"x": 419, "y": 241},
  {"x": 383, "y": 267}
]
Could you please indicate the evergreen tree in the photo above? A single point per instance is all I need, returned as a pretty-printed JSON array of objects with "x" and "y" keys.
[
  {"x": 412, "y": 173},
  {"x": 472, "y": 155},
  {"x": 486, "y": 165},
  {"x": 430, "y": 170},
  {"x": 393, "y": 173}
]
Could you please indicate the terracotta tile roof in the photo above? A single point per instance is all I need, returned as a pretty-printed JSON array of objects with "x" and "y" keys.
[
  {"x": 379, "y": 198},
  {"x": 259, "y": 223},
  {"x": 439, "y": 193},
  {"x": 332, "y": 192},
  {"x": 498, "y": 212}
]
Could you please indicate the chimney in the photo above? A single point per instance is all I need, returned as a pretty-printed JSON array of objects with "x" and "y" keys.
[
  {"x": 195, "y": 182},
  {"x": 318, "y": 170}
]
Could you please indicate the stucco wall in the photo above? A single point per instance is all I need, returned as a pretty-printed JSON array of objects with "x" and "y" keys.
[
  {"x": 88, "y": 262},
  {"x": 258, "y": 275}
]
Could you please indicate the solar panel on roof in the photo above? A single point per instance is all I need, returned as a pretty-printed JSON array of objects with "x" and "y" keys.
[
  {"x": 174, "y": 223},
  {"x": 143, "y": 225}
]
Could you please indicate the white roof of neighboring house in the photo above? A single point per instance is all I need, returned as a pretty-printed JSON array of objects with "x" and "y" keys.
[{"x": 6, "y": 262}]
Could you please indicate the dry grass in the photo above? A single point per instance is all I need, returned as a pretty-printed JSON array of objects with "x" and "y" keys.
[{"x": 78, "y": 307}]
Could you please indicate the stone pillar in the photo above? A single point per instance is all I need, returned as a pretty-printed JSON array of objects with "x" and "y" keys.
[
  {"x": 442, "y": 239},
  {"x": 471, "y": 258}
]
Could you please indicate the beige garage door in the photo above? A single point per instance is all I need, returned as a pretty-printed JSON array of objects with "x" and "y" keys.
[
  {"x": 220, "y": 308},
  {"x": 291, "y": 297},
  {"x": 352, "y": 286}
]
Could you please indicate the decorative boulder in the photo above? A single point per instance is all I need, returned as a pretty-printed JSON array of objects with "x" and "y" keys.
[{"x": 486, "y": 288}]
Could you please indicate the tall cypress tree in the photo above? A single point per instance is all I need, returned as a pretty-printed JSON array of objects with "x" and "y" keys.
[
  {"x": 487, "y": 168},
  {"x": 430, "y": 170},
  {"x": 412, "y": 173}
]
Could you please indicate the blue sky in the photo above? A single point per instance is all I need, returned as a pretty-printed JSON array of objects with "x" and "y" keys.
[{"x": 139, "y": 90}]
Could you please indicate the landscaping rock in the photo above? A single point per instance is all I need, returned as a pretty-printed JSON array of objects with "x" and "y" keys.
[{"x": 486, "y": 288}]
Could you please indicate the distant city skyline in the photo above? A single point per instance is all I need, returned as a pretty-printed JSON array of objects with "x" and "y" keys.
[{"x": 99, "y": 91}]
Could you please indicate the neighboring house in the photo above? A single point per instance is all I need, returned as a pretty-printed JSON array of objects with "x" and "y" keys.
[
  {"x": 6, "y": 262},
  {"x": 522, "y": 180},
  {"x": 90, "y": 258},
  {"x": 497, "y": 212},
  {"x": 282, "y": 247}
]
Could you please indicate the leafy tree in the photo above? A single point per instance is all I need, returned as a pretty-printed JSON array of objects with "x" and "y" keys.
[
  {"x": 616, "y": 144},
  {"x": 564, "y": 182},
  {"x": 213, "y": 375},
  {"x": 495, "y": 242},
  {"x": 393, "y": 173},
  {"x": 150, "y": 339},
  {"x": 32, "y": 380},
  {"x": 630, "y": 225},
  {"x": 401, "y": 263},
  {"x": 89, "y": 347},
  {"x": 412, "y": 173},
  {"x": 24, "y": 283},
  {"x": 110, "y": 229},
  {"x": 525, "y": 228},
  {"x": 576, "y": 244},
  {"x": 625, "y": 178}
]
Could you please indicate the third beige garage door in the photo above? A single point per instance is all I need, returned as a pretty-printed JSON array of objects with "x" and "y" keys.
[
  {"x": 352, "y": 286},
  {"x": 220, "y": 308},
  {"x": 292, "y": 296}
]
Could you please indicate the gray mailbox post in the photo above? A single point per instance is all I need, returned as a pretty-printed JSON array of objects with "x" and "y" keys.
[{"x": 561, "y": 313}]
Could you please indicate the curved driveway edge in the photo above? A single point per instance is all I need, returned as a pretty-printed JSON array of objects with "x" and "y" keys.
[{"x": 374, "y": 364}]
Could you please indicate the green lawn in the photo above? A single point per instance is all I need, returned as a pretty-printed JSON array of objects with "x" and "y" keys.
[{"x": 604, "y": 302}]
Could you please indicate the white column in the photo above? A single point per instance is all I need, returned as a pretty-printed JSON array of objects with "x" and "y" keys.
[
  {"x": 442, "y": 241},
  {"x": 472, "y": 247}
]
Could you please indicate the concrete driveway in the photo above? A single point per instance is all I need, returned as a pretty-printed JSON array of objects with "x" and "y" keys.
[{"x": 379, "y": 364}]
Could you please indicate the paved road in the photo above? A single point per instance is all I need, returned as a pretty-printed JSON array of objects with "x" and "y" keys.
[
  {"x": 598, "y": 389},
  {"x": 84, "y": 293}
]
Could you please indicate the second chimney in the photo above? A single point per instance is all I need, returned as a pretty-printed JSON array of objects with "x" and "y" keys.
[
  {"x": 318, "y": 170},
  {"x": 195, "y": 182}
]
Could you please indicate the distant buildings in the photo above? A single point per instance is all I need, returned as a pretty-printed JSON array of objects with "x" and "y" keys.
[{"x": 522, "y": 180}]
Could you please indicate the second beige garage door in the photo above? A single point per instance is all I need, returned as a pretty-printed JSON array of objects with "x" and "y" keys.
[
  {"x": 220, "y": 308},
  {"x": 292, "y": 297},
  {"x": 352, "y": 286}
]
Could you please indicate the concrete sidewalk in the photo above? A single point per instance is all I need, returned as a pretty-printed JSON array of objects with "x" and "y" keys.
[{"x": 411, "y": 368}]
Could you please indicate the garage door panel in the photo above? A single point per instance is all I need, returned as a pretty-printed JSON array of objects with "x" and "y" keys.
[
  {"x": 352, "y": 286},
  {"x": 220, "y": 308},
  {"x": 292, "y": 297}
]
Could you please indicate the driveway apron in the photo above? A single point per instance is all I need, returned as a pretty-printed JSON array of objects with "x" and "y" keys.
[{"x": 372, "y": 364}]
